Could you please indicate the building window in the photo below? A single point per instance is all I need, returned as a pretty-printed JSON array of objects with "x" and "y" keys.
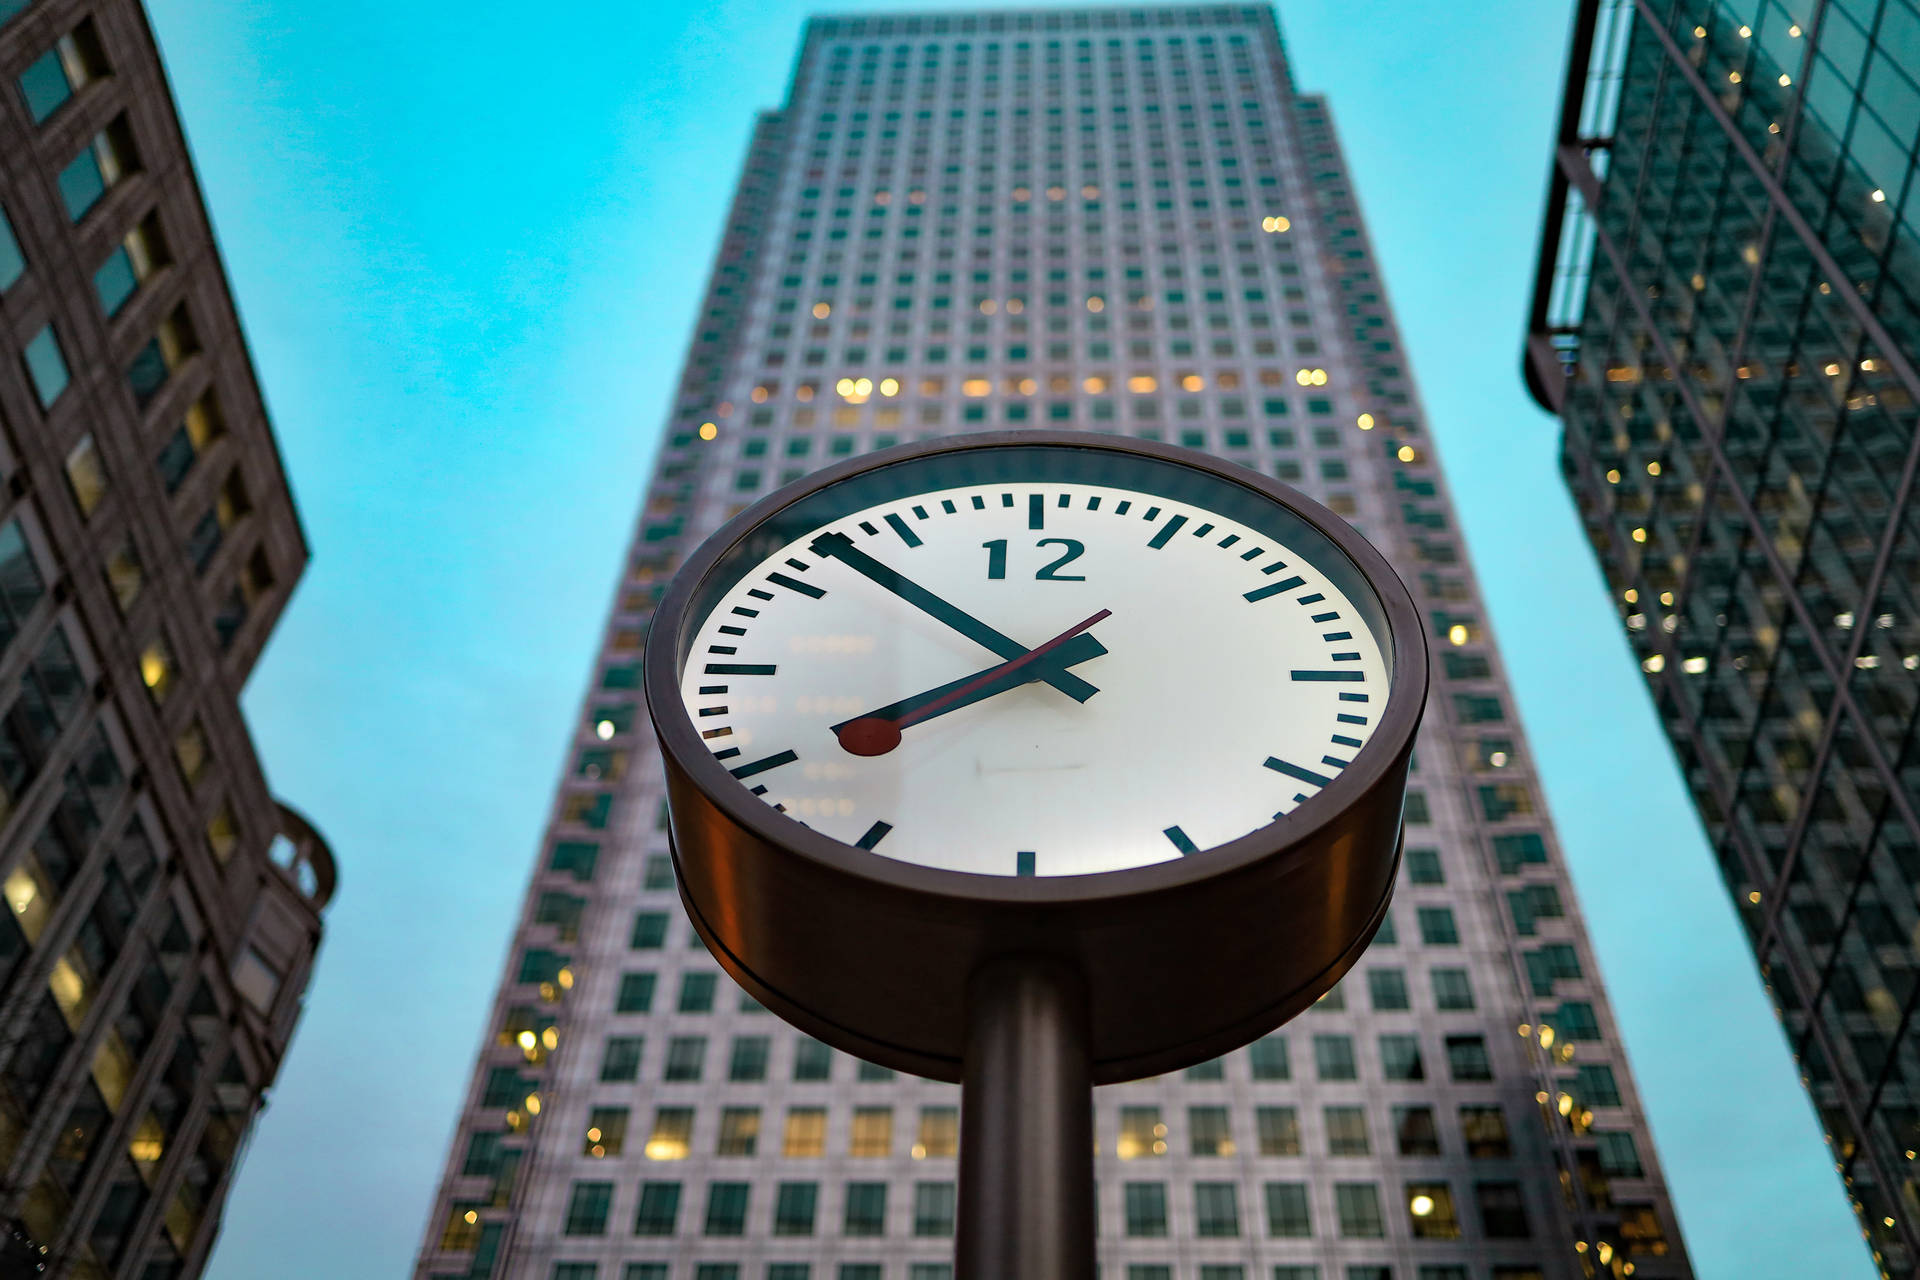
[
  {"x": 141, "y": 253},
  {"x": 13, "y": 263},
  {"x": 1423, "y": 866},
  {"x": 739, "y": 1131},
  {"x": 1216, "y": 1209},
  {"x": 1357, "y": 1206},
  {"x": 659, "y": 1211},
  {"x": 939, "y": 1133},
  {"x": 872, "y": 1134},
  {"x": 1333, "y": 1056},
  {"x": 1287, "y": 1213},
  {"x": 1208, "y": 1131},
  {"x": 686, "y": 1057},
  {"x": 1503, "y": 1211},
  {"x": 587, "y": 1208},
  {"x": 933, "y": 1204},
  {"x": 606, "y": 1133},
  {"x": 1452, "y": 990},
  {"x": 794, "y": 1204},
  {"x": 649, "y": 931},
  {"x": 672, "y": 1136},
  {"x": 171, "y": 346},
  {"x": 1279, "y": 1130},
  {"x": 1618, "y": 1158},
  {"x": 100, "y": 164},
  {"x": 1346, "y": 1131},
  {"x": 46, "y": 366},
  {"x": 806, "y": 1132},
  {"x": 636, "y": 989},
  {"x": 866, "y": 1209},
  {"x": 86, "y": 477},
  {"x": 1142, "y": 1133},
  {"x": 696, "y": 992},
  {"x": 1416, "y": 1131},
  {"x": 1388, "y": 987},
  {"x": 1437, "y": 928},
  {"x": 748, "y": 1060},
  {"x": 811, "y": 1059},
  {"x": 1430, "y": 1213},
  {"x": 1268, "y": 1057},
  {"x": 1400, "y": 1058},
  {"x": 727, "y": 1208},
  {"x": 1146, "y": 1208}
]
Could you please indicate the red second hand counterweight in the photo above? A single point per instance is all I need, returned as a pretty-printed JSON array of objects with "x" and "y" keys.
[{"x": 876, "y": 735}]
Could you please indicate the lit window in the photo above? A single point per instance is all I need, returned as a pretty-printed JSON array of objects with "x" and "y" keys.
[
  {"x": 86, "y": 476},
  {"x": 872, "y": 1134},
  {"x": 672, "y": 1135}
]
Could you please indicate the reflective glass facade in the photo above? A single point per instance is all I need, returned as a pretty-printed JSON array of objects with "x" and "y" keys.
[
  {"x": 1728, "y": 320},
  {"x": 162, "y": 909},
  {"x": 1126, "y": 221}
]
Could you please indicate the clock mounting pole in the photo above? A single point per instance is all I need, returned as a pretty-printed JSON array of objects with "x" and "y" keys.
[{"x": 1026, "y": 1125}]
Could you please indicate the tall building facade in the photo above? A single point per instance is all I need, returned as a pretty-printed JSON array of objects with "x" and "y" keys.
[
  {"x": 162, "y": 908},
  {"x": 1727, "y": 317},
  {"x": 1126, "y": 221}
]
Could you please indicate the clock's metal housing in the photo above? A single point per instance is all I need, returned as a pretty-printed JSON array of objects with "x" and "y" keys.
[{"x": 1183, "y": 960}]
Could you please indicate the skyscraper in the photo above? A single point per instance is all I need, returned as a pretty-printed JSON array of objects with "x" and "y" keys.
[
  {"x": 162, "y": 908},
  {"x": 1126, "y": 221},
  {"x": 1726, "y": 318}
]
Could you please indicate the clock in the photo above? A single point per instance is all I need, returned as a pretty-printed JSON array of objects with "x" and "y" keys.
[{"x": 1122, "y": 705}]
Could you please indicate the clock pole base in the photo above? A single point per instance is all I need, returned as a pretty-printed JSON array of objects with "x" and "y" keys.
[{"x": 1026, "y": 1126}]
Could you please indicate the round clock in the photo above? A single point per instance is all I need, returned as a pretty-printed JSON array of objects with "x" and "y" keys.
[{"x": 1122, "y": 707}]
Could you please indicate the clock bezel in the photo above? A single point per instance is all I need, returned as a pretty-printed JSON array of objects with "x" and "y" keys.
[{"x": 749, "y": 861}]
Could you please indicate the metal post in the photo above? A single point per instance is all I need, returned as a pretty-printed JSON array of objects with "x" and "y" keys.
[{"x": 1026, "y": 1126}]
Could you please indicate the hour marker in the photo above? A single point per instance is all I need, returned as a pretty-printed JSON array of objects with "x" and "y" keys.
[
  {"x": 1330, "y": 675},
  {"x": 899, "y": 526},
  {"x": 740, "y": 668},
  {"x": 1295, "y": 771},
  {"x": 794, "y": 584},
  {"x": 763, "y": 764},
  {"x": 1023, "y": 863},
  {"x": 875, "y": 834},
  {"x": 1180, "y": 840},
  {"x": 1274, "y": 588},
  {"x": 1036, "y": 512},
  {"x": 1166, "y": 533}
]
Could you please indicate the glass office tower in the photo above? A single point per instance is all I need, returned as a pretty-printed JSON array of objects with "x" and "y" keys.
[
  {"x": 162, "y": 908},
  {"x": 1725, "y": 317},
  {"x": 1124, "y": 221}
]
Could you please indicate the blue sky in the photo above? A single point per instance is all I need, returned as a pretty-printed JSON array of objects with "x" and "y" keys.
[{"x": 467, "y": 241}]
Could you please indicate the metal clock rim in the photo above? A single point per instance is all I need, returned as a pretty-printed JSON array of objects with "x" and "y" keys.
[{"x": 679, "y": 737}]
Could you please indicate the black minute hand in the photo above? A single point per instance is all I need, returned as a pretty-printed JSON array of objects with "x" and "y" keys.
[{"x": 840, "y": 547}]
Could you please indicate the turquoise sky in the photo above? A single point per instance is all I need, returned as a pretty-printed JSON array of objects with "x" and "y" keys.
[{"x": 467, "y": 241}]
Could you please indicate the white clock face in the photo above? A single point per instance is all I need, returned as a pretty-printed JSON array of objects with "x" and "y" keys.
[{"x": 1038, "y": 678}]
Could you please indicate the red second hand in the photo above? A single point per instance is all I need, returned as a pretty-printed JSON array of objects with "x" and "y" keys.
[{"x": 876, "y": 735}]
